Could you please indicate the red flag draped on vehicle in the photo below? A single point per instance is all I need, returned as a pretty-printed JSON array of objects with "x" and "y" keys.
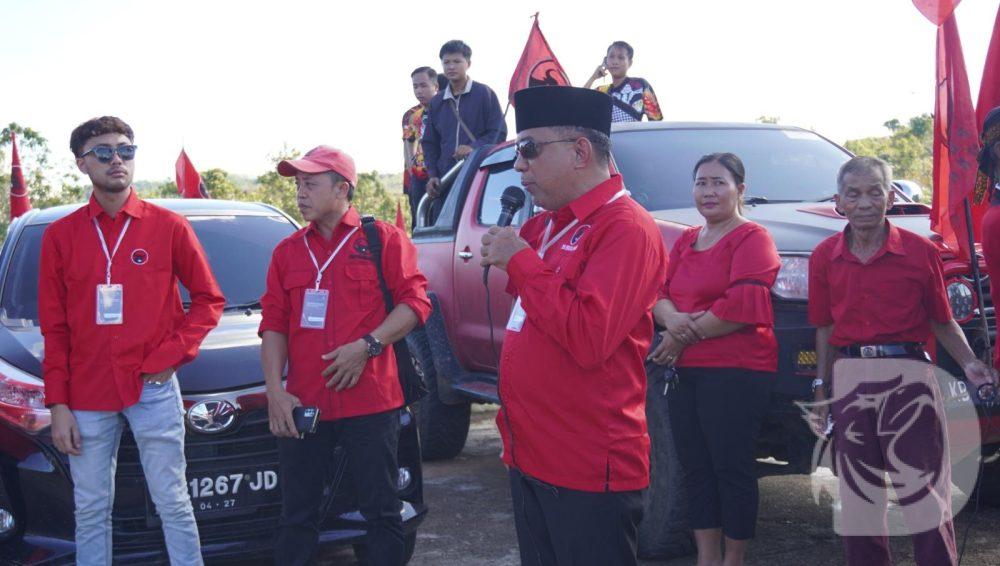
[
  {"x": 400, "y": 221},
  {"x": 19, "y": 201},
  {"x": 189, "y": 183},
  {"x": 538, "y": 66},
  {"x": 956, "y": 140}
]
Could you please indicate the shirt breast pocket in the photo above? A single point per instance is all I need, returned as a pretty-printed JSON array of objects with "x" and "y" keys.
[
  {"x": 362, "y": 284},
  {"x": 295, "y": 284}
]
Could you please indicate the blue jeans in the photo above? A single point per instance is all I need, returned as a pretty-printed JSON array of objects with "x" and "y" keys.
[{"x": 157, "y": 423}]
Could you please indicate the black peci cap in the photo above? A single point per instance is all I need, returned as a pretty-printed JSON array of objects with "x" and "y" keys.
[{"x": 552, "y": 106}]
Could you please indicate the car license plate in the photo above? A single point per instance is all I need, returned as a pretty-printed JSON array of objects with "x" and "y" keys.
[{"x": 236, "y": 491}]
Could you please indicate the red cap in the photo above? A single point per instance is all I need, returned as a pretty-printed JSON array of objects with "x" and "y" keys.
[{"x": 320, "y": 160}]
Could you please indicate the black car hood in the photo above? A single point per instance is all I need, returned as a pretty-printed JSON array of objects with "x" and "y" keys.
[
  {"x": 798, "y": 226},
  {"x": 229, "y": 357}
]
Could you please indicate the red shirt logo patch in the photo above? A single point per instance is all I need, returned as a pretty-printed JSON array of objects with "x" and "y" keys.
[{"x": 140, "y": 256}]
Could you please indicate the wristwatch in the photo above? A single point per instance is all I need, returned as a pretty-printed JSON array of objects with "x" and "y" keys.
[
  {"x": 817, "y": 384},
  {"x": 375, "y": 346}
]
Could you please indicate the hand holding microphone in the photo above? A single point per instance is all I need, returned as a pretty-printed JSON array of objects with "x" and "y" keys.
[{"x": 501, "y": 241}]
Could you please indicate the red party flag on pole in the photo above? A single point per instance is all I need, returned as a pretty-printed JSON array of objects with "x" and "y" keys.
[
  {"x": 538, "y": 65},
  {"x": 19, "y": 201},
  {"x": 400, "y": 221},
  {"x": 956, "y": 142},
  {"x": 989, "y": 88},
  {"x": 189, "y": 183}
]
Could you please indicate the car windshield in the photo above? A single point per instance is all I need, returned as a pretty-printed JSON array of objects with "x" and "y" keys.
[
  {"x": 238, "y": 249},
  {"x": 781, "y": 165}
]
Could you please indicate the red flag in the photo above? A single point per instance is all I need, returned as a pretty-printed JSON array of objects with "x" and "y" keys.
[
  {"x": 400, "y": 221},
  {"x": 989, "y": 88},
  {"x": 538, "y": 66},
  {"x": 189, "y": 183},
  {"x": 937, "y": 11},
  {"x": 19, "y": 201},
  {"x": 956, "y": 142}
]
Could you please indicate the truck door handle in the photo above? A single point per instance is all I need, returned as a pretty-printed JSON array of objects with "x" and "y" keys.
[{"x": 465, "y": 254}]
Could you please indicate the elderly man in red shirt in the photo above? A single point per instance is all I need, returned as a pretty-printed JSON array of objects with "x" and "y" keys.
[
  {"x": 323, "y": 314},
  {"x": 115, "y": 331},
  {"x": 877, "y": 291},
  {"x": 572, "y": 381}
]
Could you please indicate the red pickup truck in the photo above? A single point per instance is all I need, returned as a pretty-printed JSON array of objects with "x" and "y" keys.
[{"x": 791, "y": 181}]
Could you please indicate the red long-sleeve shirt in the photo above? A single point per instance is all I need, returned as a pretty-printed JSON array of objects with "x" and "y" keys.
[
  {"x": 355, "y": 307},
  {"x": 891, "y": 298},
  {"x": 733, "y": 281},
  {"x": 98, "y": 367},
  {"x": 572, "y": 379}
]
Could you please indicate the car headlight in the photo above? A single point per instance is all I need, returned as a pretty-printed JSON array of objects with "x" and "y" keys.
[
  {"x": 962, "y": 299},
  {"x": 793, "y": 278}
]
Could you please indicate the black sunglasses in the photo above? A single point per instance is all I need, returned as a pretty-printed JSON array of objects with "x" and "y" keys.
[
  {"x": 529, "y": 149},
  {"x": 105, "y": 153}
]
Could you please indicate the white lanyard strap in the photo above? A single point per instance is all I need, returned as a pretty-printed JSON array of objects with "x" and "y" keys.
[
  {"x": 312, "y": 256},
  {"x": 104, "y": 245},
  {"x": 546, "y": 244}
]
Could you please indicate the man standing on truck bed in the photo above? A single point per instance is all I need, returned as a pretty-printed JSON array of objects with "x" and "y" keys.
[
  {"x": 460, "y": 118},
  {"x": 572, "y": 382}
]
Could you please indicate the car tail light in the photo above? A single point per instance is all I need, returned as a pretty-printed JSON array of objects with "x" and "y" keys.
[
  {"x": 793, "y": 278},
  {"x": 22, "y": 400}
]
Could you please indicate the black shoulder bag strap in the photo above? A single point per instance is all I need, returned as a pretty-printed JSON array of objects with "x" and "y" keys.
[{"x": 411, "y": 382}]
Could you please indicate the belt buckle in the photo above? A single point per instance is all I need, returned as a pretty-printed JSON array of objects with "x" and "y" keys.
[{"x": 869, "y": 351}]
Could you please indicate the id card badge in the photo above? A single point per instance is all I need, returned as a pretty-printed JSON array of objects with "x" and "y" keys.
[
  {"x": 517, "y": 317},
  {"x": 314, "y": 308},
  {"x": 109, "y": 304}
]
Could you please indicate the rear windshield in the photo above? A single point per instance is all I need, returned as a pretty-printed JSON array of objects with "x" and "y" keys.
[
  {"x": 781, "y": 165},
  {"x": 238, "y": 249}
]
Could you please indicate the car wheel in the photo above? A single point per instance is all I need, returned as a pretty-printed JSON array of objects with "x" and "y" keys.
[
  {"x": 361, "y": 551},
  {"x": 664, "y": 531},
  {"x": 988, "y": 486},
  {"x": 443, "y": 428}
]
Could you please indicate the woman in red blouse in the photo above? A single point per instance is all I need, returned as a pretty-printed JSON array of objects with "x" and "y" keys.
[{"x": 716, "y": 308}]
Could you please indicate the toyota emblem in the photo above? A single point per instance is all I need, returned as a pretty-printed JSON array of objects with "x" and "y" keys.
[{"x": 211, "y": 417}]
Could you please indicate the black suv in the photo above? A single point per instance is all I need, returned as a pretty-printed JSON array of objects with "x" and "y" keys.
[{"x": 232, "y": 460}]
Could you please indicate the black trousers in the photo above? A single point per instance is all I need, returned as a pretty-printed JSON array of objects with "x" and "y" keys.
[
  {"x": 557, "y": 526},
  {"x": 715, "y": 414},
  {"x": 418, "y": 188},
  {"x": 369, "y": 444}
]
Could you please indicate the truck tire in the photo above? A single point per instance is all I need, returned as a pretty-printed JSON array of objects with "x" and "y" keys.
[
  {"x": 988, "y": 486},
  {"x": 664, "y": 531},
  {"x": 443, "y": 428}
]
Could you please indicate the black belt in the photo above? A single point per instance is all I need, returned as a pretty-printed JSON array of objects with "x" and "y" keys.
[{"x": 895, "y": 350}]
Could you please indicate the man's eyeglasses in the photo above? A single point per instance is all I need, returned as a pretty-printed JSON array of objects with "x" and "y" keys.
[
  {"x": 105, "y": 153},
  {"x": 529, "y": 149}
]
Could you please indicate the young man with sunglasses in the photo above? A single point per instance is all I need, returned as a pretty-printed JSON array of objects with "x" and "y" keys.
[
  {"x": 573, "y": 383},
  {"x": 115, "y": 332}
]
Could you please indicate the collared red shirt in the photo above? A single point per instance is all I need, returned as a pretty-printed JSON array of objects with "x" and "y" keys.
[
  {"x": 891, "y": 298},
  {"x": 732, "y": 280},
  {"x": 572, "y": 380},
  {"x": 95, "y": 367},
  {"x": 355, "y": 307}
]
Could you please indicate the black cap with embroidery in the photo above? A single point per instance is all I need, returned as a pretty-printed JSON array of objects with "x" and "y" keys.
[{"x": 553, "y": 106}]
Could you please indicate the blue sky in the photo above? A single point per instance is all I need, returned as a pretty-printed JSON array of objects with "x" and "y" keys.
[{"x": 233, "y": 82}]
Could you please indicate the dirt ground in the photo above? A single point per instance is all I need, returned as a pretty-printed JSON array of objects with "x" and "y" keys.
[{"x": 471, "y": 524}]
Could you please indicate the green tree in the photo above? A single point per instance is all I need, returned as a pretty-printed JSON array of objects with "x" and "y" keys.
[{"x": 909, "y": 148}]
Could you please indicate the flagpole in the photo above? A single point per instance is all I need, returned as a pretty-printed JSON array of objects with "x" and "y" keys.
[
  {"x": 496, "y": 138},
  {"x": 977, "y": 278}
]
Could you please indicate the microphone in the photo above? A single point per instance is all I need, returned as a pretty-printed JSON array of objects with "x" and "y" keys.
[{"x": 511, "y": 201}]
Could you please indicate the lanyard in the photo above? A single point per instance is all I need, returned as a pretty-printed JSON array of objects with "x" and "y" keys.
[
  {"x": 546, "y": 244},
  {"x": 312, "y": 256},
  {"x": 104, "y": 245}
]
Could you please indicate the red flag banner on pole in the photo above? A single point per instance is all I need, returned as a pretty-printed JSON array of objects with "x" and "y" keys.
[
  {"x": 400, "y": 221},
  {"x": 956, "y": 142},
  {"x": 538, "y": 65},
  {"x": 189, "y": 183},
  {"x": 19, "y": 201},
  {"x": 989, "y": 88}
]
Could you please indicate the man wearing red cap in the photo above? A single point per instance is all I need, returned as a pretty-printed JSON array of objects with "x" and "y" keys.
[
  {"x": 323, "y": 314},
  {"x": 572, "y": 381}
]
